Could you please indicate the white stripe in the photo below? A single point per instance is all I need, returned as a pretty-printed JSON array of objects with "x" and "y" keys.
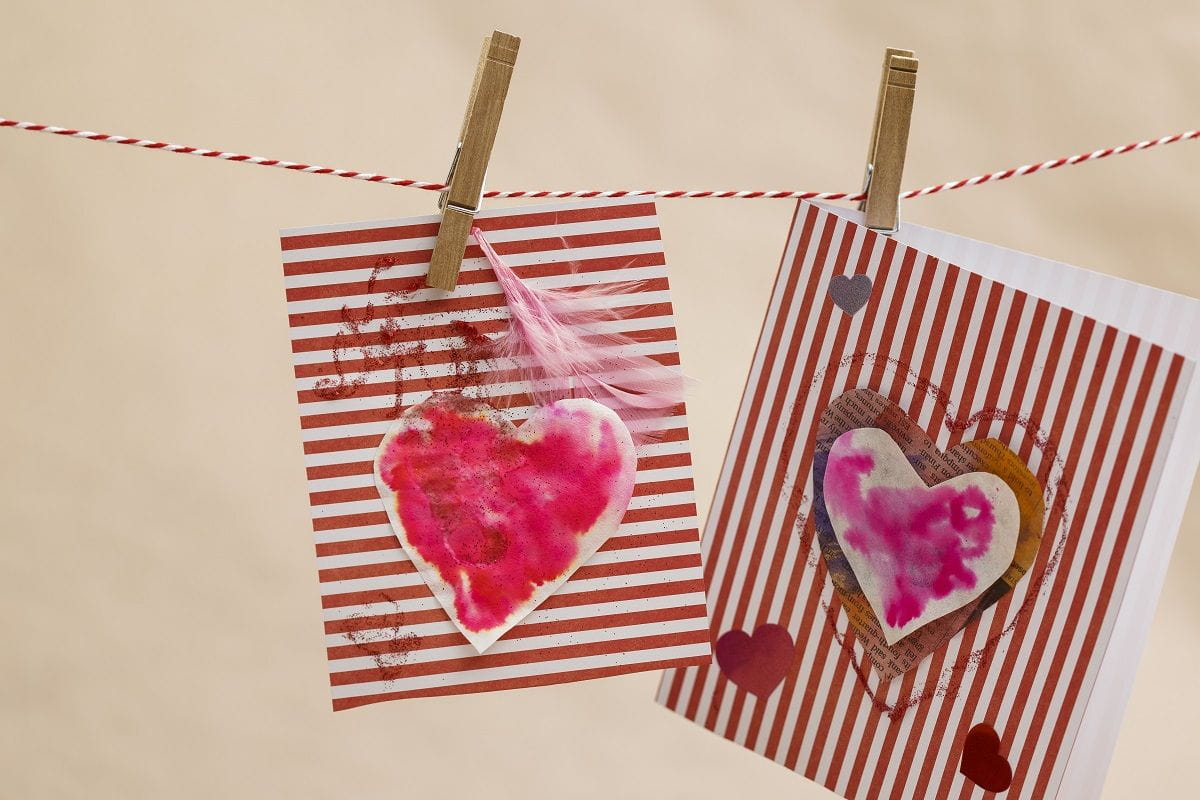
[
  {"x": 360, "y": 532},
  {"x": 616, "y": 556},
  {"x": 368, "y": 480},
  {"x": 413, "y": 244},
  {"x": 570, "y": 586},
  {"x": 379, "y": 428},
  {"x": 487, "y": 213},
  {"x": 520, "y": 645},
  {"x": 380, "y": 298},
  {"x": 415, "y": 321},
  {"x": 387, "y": 377},
  {"x": 537, "y": 616},
  {"x": 630, "y": 327},
  {"x": 326, "y": 510},
  {"x": 560, "y": 666}
]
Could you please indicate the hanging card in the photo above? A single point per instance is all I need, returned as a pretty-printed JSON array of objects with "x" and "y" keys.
[
  {"x": 946, "y": 507},
  {"x": 370, "y": 343}
]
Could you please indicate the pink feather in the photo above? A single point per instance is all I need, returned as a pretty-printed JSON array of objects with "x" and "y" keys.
[{"x": 553, "y": 339}]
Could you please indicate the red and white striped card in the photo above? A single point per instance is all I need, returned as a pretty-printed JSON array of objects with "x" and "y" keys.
[
  {"x": 1090, "y": 408},
  {"x": 370, "y": 340}
]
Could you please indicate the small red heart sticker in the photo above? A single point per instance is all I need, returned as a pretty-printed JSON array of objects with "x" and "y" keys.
[
  {"x": 981, "y": 760},
  {"x": 756, "y": 663}
]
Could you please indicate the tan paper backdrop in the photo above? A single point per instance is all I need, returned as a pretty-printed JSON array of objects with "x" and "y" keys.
[{"x": 158, "y": 599}]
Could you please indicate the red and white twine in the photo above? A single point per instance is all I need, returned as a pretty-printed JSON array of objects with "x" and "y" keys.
[{"x": 370, "y": 177}]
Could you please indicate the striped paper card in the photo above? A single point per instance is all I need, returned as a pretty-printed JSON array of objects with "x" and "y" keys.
[
  {"x": 370, "y": 340},
  {"x": 1089, "y": 408}
]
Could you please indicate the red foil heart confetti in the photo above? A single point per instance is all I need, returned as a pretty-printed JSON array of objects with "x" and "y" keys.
[
  {"x": 982, "y": 763},
  {"x": 756, "y": 663}
]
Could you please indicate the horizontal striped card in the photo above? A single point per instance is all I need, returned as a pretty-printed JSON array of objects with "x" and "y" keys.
[
  {"x": 1091, "y": 408},
  {"x": 370, "y": 340}
]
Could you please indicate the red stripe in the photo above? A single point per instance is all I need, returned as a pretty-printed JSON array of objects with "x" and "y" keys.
[
  {"x": 641, "y": 489},
  {"x": 486, "y": 223},
  {"x": 1109, "y": 572},
  {"x": 785, "y": 288},
  {"x": 456, "y": 639},
  {"x": 367, "y": 467},
  {"x": 793, "y": 437},
  {"x": 620, "y": 542},
  {"x": 447, "y": 305},
  {"x": 755, "y": 481},
  {"x": 845, "y": 680},
  {"x": 1000, "y": 614},
  {"x": 454, "y": 380},
  {"x": 1083, "y": 415},
  {"x": 868, "y": 243},
  {"x": 1004, "y": 346},
  {"x": 930, "y": 271},
  {"x": 522, "y": 682},
  {"x": 380, "y": 282},
  {"x": 443, "y": 331},
  {"x": 492, "y": 660},
  {"x": 570, "y": 600},
  {"x": 353, "y": 366},
  {"x": 587, "y": 571},
  {"x": 882, "y": 276},
  {"x": 380, "y": 517},
  {"x": 1154, "y": 442}
]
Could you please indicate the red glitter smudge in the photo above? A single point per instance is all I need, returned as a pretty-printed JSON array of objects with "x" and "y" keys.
[
  {"x": 389, "y": 652},
  {"x": 470, "y": 355},
  {"x": 380, "y": 351}
]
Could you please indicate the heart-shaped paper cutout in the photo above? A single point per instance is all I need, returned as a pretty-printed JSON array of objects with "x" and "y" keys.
[
  {"x": 496, "y": 517},
  {"x": 756, "y": 663},
  {"x": 918, "y": 552},
  {"x": 982, "y": 763},
  {"x": 850, "y": 292},
  {"x": 862, "y": 408}
]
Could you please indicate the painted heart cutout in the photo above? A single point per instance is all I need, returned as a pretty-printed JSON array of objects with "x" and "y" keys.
[
  {"x": 918, "y": 552},
  {"x": 982, "y": 763},
  {"x": 756, "y": 663},
  {"x": 850, "y": 292},
  {"x": 496, "y": 517},
  {"x": 863, "y": 408}
]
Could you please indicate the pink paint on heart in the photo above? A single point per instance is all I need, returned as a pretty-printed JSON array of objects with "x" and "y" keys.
[
  {"x": 756, "y": 663},
  {"x": 916, "y": 539},
  {"x": 495, "y": 515}
]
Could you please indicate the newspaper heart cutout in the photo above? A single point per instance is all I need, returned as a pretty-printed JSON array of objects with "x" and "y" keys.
[
  {"x": 918, "y": 552},
  {"x": 496, "y": 517},
  {"x": 863, "y": 408}
]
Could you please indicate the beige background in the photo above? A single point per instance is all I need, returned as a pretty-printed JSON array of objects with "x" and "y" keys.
[{"x": 161, "y": 628}]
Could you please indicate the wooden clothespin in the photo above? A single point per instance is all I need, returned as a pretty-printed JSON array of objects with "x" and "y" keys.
[
  {"x": 459, "y": 202},
  {"x": 889, "y": 140}
]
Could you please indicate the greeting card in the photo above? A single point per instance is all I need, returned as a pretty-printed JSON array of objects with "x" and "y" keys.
[
  {"x": 952, "y": 486},
  {"x": 470, "y": 535}
]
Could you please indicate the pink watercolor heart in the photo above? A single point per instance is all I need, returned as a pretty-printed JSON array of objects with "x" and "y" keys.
[
  {"x": 756, "y": 663},
  {"x": 918, "y": 552},
  {"x": 496, "y": 517}
]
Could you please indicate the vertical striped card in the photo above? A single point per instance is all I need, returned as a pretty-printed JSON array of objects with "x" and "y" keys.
[
  {"x": 369, "y": 340},
  {"x": 1090, "y": 408}
]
